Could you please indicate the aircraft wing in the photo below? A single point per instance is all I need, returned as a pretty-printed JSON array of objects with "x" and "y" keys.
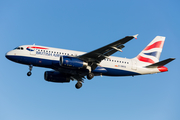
[{"x": 98, "y": 55}]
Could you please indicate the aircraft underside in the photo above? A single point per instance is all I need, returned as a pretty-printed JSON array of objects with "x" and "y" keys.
[{"x": 62, "y": 73}]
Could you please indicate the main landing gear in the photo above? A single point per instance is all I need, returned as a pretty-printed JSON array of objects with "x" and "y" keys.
[
  {"x": 78, "y": 85},
  {"x": 30, "y": 69},
  {"x": 90, "y": 76}
]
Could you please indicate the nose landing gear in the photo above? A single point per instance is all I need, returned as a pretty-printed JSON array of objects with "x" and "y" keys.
[
  {"x": 29, "y": 73},
  {"x": 30, "y": 69}
]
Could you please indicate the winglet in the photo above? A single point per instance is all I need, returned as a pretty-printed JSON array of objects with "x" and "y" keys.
[{"x": 135, "y": 36}]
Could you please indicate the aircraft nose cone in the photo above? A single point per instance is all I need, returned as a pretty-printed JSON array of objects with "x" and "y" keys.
[
  {"x": 11, "y": 56},
  {"x": 7, "y": 55}
]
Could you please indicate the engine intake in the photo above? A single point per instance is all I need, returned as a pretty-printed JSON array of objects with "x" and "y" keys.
[
  {"x": 73, "y": 62},
  {"x": 54, "y": 76}
]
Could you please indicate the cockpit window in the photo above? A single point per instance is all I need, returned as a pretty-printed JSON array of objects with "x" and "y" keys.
[{"x": 18, "y": 48}]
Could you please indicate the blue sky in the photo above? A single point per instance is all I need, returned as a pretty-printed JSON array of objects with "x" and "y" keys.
[{"x": 85, "y": 26}]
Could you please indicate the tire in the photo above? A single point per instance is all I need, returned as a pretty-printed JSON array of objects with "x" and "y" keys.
[
  {"x": 29, "y": 74},
  {"x": 78, "y": 85},
  {"x": 90, "y": 76}
]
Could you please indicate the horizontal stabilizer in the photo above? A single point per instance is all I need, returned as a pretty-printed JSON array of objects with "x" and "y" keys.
[{"x": 161, "y": 63}]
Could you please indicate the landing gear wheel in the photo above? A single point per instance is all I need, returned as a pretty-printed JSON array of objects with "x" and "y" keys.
[
  {"x": 30, "y": 69},
  {"x": 29, "y": 74},
  {"x": 90, "y": 76},
  {"x": 78, "y": 85}
]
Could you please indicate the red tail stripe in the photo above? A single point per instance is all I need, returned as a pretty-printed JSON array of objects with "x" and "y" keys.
[
  {"x": 155, "y": 45},
  {"x": 162, "y": 69},
  {"x": 143, "y": 59}
]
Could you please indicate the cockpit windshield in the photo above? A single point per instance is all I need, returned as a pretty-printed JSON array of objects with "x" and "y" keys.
[{"x": 18, "y": 48}]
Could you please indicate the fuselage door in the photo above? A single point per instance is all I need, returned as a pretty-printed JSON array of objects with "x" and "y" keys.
[
  {"x": 134, "y": 65},
  {"x": 33, "y": 50}
]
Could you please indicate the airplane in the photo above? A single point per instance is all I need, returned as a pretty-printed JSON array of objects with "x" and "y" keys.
[{"x": 72, "y": 65}]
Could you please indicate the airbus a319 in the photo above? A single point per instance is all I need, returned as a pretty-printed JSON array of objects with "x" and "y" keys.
[{"x": 70, "y": 65}]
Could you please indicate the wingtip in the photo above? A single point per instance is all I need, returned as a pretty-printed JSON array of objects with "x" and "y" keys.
[
  {"x": 135, "y": 36},
  {"x": 172, "y": 58}
]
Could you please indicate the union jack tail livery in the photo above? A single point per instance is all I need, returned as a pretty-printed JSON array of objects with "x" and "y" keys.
[{"x": 152, "y": 51}]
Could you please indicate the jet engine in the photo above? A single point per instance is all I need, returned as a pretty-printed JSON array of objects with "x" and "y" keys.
[
  {"x": 55, "y": 76},
  {"x": 73, "y": 62}
]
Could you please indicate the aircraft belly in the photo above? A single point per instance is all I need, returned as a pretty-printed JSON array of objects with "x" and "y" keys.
[{"x": 119, "y": 72}]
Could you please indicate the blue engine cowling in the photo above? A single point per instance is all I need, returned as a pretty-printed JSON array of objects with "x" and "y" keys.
[
  {"x": 55, "y": 76},
  {"x": 72, "y": 62}
]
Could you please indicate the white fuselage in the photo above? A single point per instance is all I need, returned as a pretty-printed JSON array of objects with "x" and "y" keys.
[{"x": 115, "y": 66}]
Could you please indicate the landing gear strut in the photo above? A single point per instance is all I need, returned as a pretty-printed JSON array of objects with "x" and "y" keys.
[
  {"x": 30, "y": 69},
  {"x": 78, "y": 85},
  {"x": 90, "y": 76}
]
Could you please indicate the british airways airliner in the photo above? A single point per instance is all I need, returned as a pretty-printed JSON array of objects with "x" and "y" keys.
[{"x": 69, "y": 65}]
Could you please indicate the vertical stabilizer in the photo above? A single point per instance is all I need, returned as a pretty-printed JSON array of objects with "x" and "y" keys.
[{"x": 152, "y": 51}]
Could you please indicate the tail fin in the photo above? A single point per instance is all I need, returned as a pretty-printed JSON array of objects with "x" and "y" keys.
[{"x": 152, "y": 51}]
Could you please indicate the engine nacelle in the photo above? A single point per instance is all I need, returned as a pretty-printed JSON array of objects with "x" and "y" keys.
[
  {"x": 73, "y": 62},
  {"x": 54, "y": 76}
]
